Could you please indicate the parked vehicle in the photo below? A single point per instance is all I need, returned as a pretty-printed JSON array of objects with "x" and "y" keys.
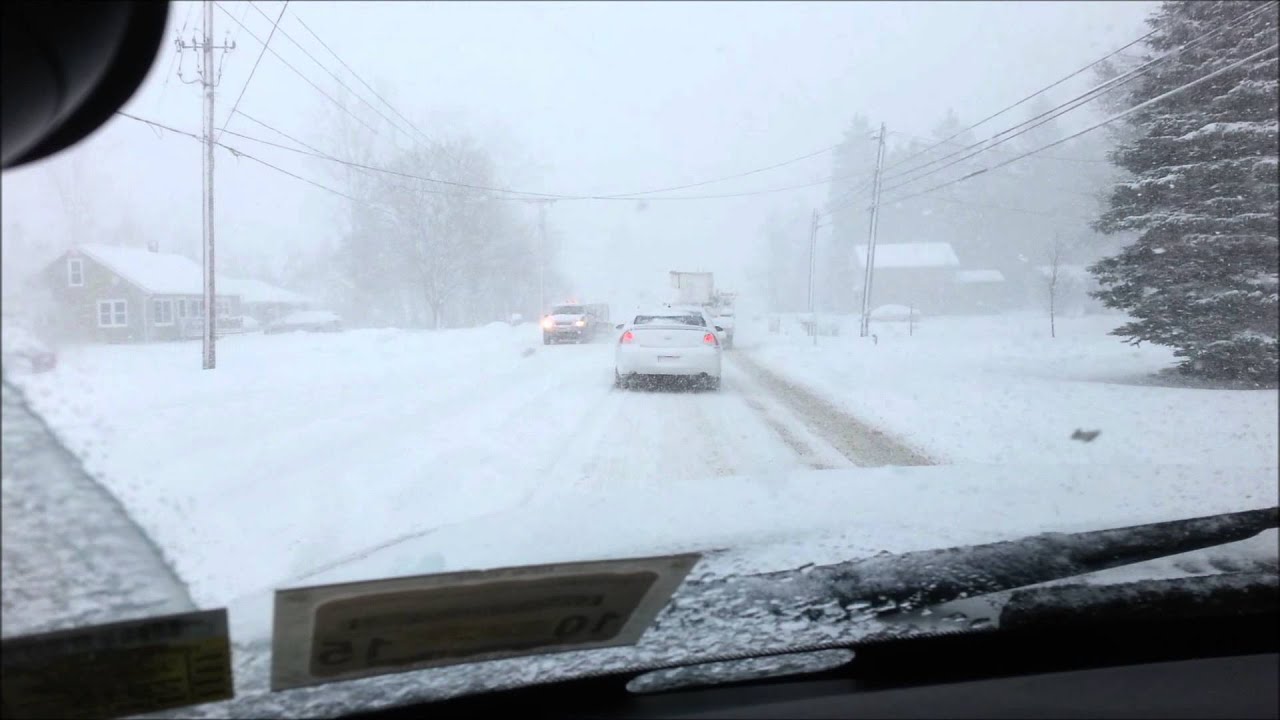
[
  {"x": 23, "y": 352},
  {"x": 307, "y": 321},
  {"x": 574, "y": 323},
  {"x": 668, "y": 342}
]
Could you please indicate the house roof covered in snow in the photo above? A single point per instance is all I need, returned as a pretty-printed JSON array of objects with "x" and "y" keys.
[
  {"x": 159, "y": 273},
  {"x": 969, "y": 277},
  {"x": 155, "y": 273},
  {"x": 257, "y": 291},
  {"x": 911, "y": 255}
]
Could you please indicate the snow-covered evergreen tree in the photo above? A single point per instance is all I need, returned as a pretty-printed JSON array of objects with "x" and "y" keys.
[{"x": 1202, "y": 275}]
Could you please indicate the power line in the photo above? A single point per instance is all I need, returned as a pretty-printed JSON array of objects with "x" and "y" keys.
[
  {"x": 553, "y": 196},
  {"x": 357, "y": 76},
  {"x": 735, "y": 176},
  {"x": 1113, "y": 118},
  {"x": 1100, "y": 161},
  {"x": 333, "y": 75},
  {"x": 1062, "y": 109},
  {"x": 1041, "y": 91},
  {"x": 298, "y": 72},
  {"x": 254, "y": 69},
  {"x": 240, "y": 153}
]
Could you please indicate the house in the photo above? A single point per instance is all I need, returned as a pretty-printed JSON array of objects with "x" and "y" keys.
[
  {"x": 104, "y": 293},
  {"x": 913, "y": 274},
  {"x": 265, "y": 302},
  {"x": 979, "y": 291}
]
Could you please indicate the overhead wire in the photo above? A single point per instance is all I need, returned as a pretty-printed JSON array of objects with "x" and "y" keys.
[
  {"x": 357, "y": 76},
  {"x": 1111, "y": 119},
  {"x": 1041, "y": 91},
  {"x": 236, "y": 105},
  {"x": 298, "y": 72},
  {"x": 236, "y": 152},
  {"x": 1062, "y": 109},
  {"x": 332, "y": 74}
]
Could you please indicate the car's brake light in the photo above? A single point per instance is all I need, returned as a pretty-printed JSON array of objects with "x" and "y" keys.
[
  {"x": 710, "y": 339},
  {"x": 626, "y": 338}
]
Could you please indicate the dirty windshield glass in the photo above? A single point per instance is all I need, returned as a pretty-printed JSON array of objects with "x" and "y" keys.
[{"x": 296, "y": 316}]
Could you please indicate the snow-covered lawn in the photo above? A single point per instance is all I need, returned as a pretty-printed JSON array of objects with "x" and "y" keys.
[
  {"x": 998, "y": 389},
  {"x": 299, "y": 448}
]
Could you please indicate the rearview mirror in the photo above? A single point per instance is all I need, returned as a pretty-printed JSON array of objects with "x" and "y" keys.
[{"x": 619, "y": 326}]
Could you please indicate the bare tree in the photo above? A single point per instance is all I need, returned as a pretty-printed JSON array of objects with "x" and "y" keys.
[{"x": 1055, "y": 262}]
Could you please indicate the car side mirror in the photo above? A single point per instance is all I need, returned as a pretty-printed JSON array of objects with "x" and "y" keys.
[
  {"x": 719, "y": 329},
  {"x": 619, "y": 326}
]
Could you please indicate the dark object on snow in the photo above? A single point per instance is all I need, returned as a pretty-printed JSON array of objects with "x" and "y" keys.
[
  {"x": 1085, "y": 435},
  {"x": 527, "y": 352}
]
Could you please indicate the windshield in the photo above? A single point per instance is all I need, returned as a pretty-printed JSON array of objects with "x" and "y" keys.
[{"x": 1003, "y": 269}]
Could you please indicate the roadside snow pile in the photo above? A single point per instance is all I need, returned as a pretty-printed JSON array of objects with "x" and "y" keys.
[{"x": 998, "y": 389}]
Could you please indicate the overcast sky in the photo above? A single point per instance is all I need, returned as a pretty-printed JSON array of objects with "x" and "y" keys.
[{"x": 570, "y": 98}]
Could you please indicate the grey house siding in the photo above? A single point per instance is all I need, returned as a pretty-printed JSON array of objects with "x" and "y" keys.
[{"x": 75, "y": 308}]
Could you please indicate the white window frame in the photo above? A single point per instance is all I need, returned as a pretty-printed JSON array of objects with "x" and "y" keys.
[
  {"x": 181, "y": 308},
  {"x": 118, "y": 308},
  {"x": 75, "y": 269},
  {"x": 156, "y": 304},
  {"x": 222, "y": 307}
]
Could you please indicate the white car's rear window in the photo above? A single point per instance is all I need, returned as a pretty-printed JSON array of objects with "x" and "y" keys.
[{"x": 694, "y": 320}]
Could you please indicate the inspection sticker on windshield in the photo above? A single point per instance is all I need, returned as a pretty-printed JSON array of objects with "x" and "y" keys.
[
  {"x": 118, "y": 669},
  {"x": 339, "y": 632}
]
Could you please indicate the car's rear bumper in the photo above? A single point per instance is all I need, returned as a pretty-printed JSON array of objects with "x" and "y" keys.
[{"x": 669, "y": 361}]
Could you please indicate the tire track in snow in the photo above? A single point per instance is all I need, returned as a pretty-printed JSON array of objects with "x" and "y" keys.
[{"x": 863, "y": 444}]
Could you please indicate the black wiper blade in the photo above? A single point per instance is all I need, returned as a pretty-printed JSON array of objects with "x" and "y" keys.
[
  {"x": 914, "y": 580},
  {"x": 1238, "y": 593}
]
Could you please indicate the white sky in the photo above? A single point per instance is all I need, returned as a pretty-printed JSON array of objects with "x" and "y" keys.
[{"x": 571, "y": 98}]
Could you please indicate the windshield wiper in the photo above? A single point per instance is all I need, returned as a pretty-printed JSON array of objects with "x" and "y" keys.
[{"x": 897, "y": 583}]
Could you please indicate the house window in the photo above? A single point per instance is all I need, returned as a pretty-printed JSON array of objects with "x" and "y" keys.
[
  {"x": 113, "y": 313},
  {"x": 182, "y": 309},
  {"x": 162, "y": 312},
  {"x": 75, "y": 272},
  {"x": 223, "y": 307},
  {"x": 197, "y": 308}
]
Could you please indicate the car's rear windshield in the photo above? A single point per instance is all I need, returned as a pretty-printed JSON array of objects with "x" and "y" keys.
[
  {"x": 568, "y": 310},
  {"x": 694, "y": 320}
]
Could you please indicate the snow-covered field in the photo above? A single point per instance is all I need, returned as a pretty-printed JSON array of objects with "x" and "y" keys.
[
  {"x": 1001, "y": 390},
  {"x": 313, "y": 458}
]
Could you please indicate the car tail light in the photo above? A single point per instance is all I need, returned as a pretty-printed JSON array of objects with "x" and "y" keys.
[
  {"x": 627, "y": 338},
  {"x": 710, "y": 339}
]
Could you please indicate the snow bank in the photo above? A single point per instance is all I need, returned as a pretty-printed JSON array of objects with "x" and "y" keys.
[{"x": 1000, "y": 390}]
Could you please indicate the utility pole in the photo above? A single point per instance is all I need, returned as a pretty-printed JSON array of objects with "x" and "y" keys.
[
  {"x": 813, "y": 257},
  {"x": 209, "y": 79},
  {"x": 871, "y": 239},
  {"x": 542, "y": 258}
]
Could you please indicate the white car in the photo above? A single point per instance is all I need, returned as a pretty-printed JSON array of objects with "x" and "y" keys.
[
  {"x": 726, "y": 321},
  {"x": 668, "y": 342}
]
